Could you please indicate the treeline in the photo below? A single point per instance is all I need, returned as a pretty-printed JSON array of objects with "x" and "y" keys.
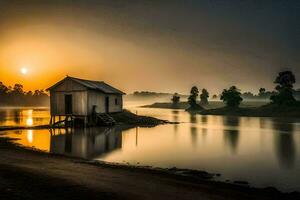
[
  {"x": 284, "y": 94},
  {"x": 16, "y": 96},
  {"x": 149, "y": 94},
  {"x": 262, "y": 94}
]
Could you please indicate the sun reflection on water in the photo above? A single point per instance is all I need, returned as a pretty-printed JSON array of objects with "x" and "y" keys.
[
  {"x": 29, "y": 120},
  {"x": 30, "y": 136}
]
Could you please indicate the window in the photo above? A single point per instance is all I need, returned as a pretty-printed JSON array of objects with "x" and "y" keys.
[{"x": 116, "y": 101}]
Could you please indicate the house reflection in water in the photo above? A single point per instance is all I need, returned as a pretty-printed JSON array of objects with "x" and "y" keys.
[{"x": 85, "y": 143}]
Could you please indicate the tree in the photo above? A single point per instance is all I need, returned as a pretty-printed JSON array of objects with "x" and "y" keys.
[
  {"x": 204, "y": 96},
  {"x": 215, "y": 96},
  {"x": 3, "y": 89},
  {"x": 285, "y": 81},
  {"x": 261, "y": 91},
  {"x": 232, "y": 96},
  {"x": 29, "y": 93},
  {"x": 18, "y": 89},
  {"x": 175, "y": 99},
  {"x": 248, "y": 95},
  {"x": 192, "y": 99},
  {"x": 16, "y": 96}
]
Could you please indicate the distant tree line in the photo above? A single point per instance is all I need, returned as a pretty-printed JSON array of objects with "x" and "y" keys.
[
  {"x": 148, "y": 93},
  {"x": 284, "y": 94},
  {"x": 16, "y": 96},
  {"x": 262, "y": 94}
]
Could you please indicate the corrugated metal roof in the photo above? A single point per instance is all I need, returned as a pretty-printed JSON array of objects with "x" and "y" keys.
[{"x": 94, "y": 85}]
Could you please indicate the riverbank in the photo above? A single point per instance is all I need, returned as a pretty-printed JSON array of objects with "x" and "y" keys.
[
  {"x": 211, "y": 105},
  {"x": 263, "y": 111},
  {"x": 124, "y": 118},
  {"x": 59, "y": 177},
  {"x": 247, "y": 109},
  {"x": 128, "y": 118}
]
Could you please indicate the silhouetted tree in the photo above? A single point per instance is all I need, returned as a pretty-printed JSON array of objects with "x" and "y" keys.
[
  {"x": 192, "y": 99},
  {"x": 29, "y": 93},
  {"x": 248, "y": 95},
  {"x": 18, "y": 89},
  {"x": 285, "y": 81},
  {"x": 175, "y": 99},
  {"x": 204, "y": 97},
  {"x": 3, "y": 89},
  {"x": 16, "y": 96},
  {"x": 231, "y": 97},
  {"x": 262, "y": 91}
]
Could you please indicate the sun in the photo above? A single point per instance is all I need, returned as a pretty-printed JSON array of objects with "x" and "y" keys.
[{"x": 24, "y": 70}]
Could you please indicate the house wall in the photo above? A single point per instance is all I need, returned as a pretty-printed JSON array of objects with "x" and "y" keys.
[
  {"x": 83, "y": 99},
  {"x": 98, "y": 99},
  {"x": 79, "y": 98},
  {"x": 79, "y": 102}
]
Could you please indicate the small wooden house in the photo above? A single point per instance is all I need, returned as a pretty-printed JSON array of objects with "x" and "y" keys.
[{"x": 81, "y": 98}]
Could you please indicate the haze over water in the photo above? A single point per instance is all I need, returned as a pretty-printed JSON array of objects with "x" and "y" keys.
[{"x": 263, "y": 151}]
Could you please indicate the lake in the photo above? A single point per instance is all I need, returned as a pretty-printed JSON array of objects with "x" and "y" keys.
[{"x": 263, "y": 151}]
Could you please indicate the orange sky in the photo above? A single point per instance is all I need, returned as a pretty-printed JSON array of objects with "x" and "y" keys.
[{"x": 166, "y": 47}]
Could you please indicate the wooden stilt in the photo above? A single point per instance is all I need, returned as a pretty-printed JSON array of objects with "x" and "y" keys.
[
  {"x": 54, "y": 120},
  {"x": 66, "y": 120},
  {"x": 59, "y": 120},
  {"x": 73, "y": 121},
  {"x": 85, "y": 121}
]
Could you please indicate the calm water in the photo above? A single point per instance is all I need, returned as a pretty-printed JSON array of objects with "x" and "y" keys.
[{"x": 262, "y": 151}]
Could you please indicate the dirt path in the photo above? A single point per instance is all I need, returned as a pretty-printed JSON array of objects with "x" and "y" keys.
[{"x": 30, "y": 175}]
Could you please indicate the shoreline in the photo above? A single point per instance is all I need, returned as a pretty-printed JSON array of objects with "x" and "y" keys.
[
  {"x": 124, "y": 118},
  {"x": 245, "y": 110},
  {"x": 212, "y": 105},
  {"x": 181, "y": 177},
  {"x": 263, "y": 111}
]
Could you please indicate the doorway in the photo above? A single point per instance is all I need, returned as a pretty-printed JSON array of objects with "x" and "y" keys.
[{"x": 68, "y": 104}]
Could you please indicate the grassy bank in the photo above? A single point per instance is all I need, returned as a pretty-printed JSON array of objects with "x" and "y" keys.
[{"x": 59, "y": 177}]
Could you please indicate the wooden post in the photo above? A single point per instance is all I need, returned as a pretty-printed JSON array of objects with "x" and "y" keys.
[
  {"x": 59, "y": 120},
  {"x": 66, "y": 121},
  {"x": 50, "y": 121},
  {"x": 85, "y": 121},
  {"x": 54, "y": 120},
  {"x": 136, "y": 136}
]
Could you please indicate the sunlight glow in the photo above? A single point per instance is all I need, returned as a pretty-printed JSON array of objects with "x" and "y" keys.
[
  {"x": 29, "y": 122},
  {"x": 24, "y": 70}
]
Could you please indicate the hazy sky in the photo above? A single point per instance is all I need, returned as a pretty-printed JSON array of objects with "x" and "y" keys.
[{"x": 158, "y": 45}]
